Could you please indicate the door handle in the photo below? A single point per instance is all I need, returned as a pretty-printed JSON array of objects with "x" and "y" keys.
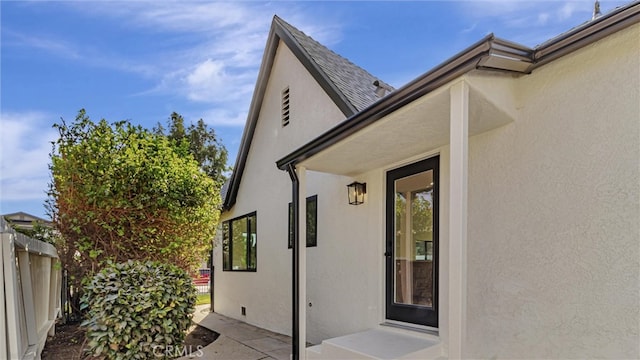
[{"x": 387, "y": 253}]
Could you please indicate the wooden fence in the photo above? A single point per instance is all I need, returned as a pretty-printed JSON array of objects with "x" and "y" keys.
[{"x": 30, "y": 270}]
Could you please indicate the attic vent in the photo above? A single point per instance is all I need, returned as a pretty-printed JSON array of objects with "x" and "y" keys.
[{"x": 285, "y": 106}]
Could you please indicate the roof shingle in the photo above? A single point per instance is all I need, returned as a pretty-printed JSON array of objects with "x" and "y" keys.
[{"x": 355, "y": 83}]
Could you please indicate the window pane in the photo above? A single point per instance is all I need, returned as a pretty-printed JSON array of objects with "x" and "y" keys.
[
  {"x": 414, "y": 239},
  {"x": 253, "y": 243},
  {"x": 312, "y": 221},
  {"x": 226, "y": 264},
  {"x": 239, "y": 244}
]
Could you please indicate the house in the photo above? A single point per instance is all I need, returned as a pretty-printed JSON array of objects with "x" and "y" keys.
[
  {"x": 24, "y": 221},
  {"x": 500, "y": 198}
]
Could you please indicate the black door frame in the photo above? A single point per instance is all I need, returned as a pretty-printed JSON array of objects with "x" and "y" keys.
[{"x": 403, "y": 312}]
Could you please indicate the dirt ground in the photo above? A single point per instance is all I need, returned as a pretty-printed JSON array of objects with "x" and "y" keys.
[{"x": 68, "y": 343}]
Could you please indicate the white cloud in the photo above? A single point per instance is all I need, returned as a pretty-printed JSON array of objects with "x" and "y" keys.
[
  {"x": 543, "y": 18},
  {"x": 216, "y": 48},
  {"x": 46, "y": 43},
  {"x": 225, "y": 117},
  {"x": 210, "y": 52},
  {"x": 470, "y": 28},
  {"x": 24, "y": 155},
  {"x": 66, "y": 49},
  {"x": 567, "y": 10},
  {"x": 518, "y": 13},
  {"x": 205, "y": 80},
  {"x": 530, "y": 22}
]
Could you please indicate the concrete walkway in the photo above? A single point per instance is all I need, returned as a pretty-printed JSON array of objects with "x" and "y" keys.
[{"x": 239, "y": 340}]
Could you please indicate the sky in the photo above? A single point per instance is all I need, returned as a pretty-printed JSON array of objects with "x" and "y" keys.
[{"x": 142, "y": 60}]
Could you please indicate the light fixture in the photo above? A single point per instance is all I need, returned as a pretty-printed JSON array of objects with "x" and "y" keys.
[{"x": 356, "y": 192}]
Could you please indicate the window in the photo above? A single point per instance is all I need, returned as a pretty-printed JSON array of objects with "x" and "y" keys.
[
  {"x": 239, "y": 243},
  {"x": 312, "y": 222},
  {"x": 285, "y": 107}
]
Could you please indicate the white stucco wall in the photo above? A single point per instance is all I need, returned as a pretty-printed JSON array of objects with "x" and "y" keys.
[
  {"x": 346, "y": 272},
  {"x": 554, "y": 213},
  {"x": 343, "y": 280},
  {"x": 266, "y": 293}
]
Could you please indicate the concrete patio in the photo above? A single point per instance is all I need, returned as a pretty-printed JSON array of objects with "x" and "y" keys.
[{"x": 239, "y": 340}]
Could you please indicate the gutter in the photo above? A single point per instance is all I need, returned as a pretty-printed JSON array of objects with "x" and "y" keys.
[
  {"x": 486, "y": 53},
  {"x": 587, "y": 33}
]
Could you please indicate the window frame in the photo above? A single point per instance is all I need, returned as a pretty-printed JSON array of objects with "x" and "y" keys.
[
  {"x": 227, "y": 248},
  {"x": 313, "y": 236}
]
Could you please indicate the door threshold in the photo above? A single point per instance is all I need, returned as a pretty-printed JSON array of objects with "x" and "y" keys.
[{"x": 411, "y": 327}]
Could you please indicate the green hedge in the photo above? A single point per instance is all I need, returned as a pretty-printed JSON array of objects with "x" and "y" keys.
[{"x": 138, "y": 310}]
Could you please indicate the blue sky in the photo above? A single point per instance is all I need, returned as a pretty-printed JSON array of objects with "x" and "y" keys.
[{"x": 142, "y": 60}]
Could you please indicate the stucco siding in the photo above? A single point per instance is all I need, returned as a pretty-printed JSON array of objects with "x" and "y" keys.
[
  {"x": 266, "y": 293},
  {"x": 345, "y": 273},
  {"x": 554, "y": 209}
]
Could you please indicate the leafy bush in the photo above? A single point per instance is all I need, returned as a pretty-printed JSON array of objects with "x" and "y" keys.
[
  {"x": 120, "y": 192},
  {"x": 137, "y": 310}
]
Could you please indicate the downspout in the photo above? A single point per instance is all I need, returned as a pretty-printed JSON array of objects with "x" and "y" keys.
[{"x": 295, "y": 254}]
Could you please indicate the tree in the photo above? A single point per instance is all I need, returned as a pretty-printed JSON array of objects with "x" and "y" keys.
[
  {"x": 203, "y": 143},
  {"x": 121, "y": 192}
]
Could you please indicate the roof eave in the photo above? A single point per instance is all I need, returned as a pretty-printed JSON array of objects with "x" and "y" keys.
[
  {"x": 489, "y": 53},
  {"x": 476, "y": 56}
]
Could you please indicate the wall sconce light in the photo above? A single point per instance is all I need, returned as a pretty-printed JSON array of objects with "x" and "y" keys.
[{"x": 356, "y": 192}]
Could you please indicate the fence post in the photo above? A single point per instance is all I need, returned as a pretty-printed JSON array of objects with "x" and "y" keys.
[
  {"x": 54, "y": 297},
  {"x": 11, "y": 295},
  {"x": 27, "y": 296}
]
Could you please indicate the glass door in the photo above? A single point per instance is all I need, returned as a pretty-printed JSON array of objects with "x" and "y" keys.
[{"x": 412, "y": 243}]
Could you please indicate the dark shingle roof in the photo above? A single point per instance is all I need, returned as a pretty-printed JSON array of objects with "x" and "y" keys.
[{"x": 355, "y": 83}]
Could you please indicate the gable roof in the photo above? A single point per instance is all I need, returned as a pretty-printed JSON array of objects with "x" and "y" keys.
[{"x": 350, "y": 87}]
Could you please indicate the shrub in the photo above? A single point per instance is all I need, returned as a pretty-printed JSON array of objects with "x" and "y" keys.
[{"x": 137, "y": 310}]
